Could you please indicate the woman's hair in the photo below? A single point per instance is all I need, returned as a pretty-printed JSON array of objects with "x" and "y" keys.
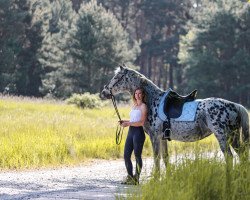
[{"x": 144, "y": 98}]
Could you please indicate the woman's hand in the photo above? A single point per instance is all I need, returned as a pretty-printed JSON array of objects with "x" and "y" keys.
[{"x": 125, "y": 123}]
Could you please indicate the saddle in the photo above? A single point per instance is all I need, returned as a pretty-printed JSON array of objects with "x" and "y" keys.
[
  {"x": 171, "y": 105},
  {"x": 174, "y": 102}
]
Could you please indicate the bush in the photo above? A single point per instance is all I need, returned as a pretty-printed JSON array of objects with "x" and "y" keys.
[{"x": 85, "y": 100}]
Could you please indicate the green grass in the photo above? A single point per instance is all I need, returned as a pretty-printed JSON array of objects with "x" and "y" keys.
[
  {"x": 35, "y": 133},
  {"x": 38, "y": 133},
  {"x": 198, "y": 179}
]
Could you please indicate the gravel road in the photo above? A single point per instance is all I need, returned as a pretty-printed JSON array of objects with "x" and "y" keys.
[{"x": 98, "y": 179}]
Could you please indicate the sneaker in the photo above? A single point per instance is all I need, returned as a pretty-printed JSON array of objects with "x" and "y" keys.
[
  {"x": 129, "y": 180},
  {"x": 136, "y": 179}
]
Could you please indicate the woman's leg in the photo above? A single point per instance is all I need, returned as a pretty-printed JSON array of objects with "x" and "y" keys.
[
  {"x": 138, "y": 140},
  {"x": 128, "y": 152}
]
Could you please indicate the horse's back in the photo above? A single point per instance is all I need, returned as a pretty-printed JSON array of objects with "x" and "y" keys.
[
  {"x": 218, "y": 104},
  {"x": 221, "y": 112}
]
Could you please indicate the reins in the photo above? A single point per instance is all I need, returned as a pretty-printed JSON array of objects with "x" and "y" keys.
[{"x": 119, "y": 128}]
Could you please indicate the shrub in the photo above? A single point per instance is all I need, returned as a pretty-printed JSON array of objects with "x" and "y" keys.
[{"x": 85, "y": 100}]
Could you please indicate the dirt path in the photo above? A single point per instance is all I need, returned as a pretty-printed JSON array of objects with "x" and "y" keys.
[{"x": 97, "y": 180}]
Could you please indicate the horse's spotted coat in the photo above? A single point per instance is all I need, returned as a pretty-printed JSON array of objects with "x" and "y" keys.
[{"x": 213, "y": 115}]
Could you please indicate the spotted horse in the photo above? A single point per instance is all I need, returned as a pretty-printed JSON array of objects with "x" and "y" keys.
[{"x": 227, "y": 120}]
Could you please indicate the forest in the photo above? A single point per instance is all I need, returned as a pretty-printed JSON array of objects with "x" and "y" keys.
[{"x": 55, "y": 48}]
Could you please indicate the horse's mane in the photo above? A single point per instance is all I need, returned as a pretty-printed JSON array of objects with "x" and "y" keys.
[
  {"x": 141, "y": 76},
  {"x": 118, "y": 69}
]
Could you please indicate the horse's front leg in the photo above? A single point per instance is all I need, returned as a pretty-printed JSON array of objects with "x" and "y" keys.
[
  {"x": 164, "y": 150},
  {"x": 155, "y": 140}
]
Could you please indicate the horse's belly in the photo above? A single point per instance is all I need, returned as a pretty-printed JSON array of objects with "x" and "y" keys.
[{"x": 187, "y": 131}]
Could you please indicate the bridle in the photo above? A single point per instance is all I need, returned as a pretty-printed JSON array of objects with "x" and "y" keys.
[
  {"x": 119, "y": 79},
  {"x": 119, "y": 128}
]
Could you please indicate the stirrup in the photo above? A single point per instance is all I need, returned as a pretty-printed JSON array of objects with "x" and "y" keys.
[{"x": 166, "y": 134}]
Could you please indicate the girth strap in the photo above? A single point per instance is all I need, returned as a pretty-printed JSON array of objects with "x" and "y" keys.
[{"x": 166, "y": 129}]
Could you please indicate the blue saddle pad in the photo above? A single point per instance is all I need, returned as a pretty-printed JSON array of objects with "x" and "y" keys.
[{"x": 188, "y": 112}]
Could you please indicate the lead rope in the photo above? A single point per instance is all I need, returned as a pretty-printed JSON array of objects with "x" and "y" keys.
[{"x": 119, "y": 128}]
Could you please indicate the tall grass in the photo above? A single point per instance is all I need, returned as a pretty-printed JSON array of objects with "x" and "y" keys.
[
  {"x": 199, "y": 179},
  {"x": 35, "y": 133}
]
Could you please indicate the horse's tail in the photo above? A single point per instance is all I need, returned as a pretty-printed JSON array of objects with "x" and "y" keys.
[{"x": 244, "y": 122}]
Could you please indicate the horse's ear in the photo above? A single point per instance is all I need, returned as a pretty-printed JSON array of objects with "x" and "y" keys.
[{"x": 121, "y": 68}]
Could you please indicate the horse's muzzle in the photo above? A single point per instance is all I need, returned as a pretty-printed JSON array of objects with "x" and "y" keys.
[{"x": 105, "y": 94}]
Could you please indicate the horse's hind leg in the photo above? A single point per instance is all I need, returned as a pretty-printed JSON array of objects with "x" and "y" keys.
[
  {"x": 236, "y": 142},
  {"x": 217, "y": 124},
  {"x": 239, "y": 146},
  {"x": 222, "y": 137},
  {"x": 224, "y": 144}
]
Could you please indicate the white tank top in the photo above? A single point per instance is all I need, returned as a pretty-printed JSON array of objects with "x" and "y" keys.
[{"x": 135, "y": 115}]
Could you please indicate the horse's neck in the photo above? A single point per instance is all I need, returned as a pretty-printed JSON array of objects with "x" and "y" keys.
[{"x": 153, "y": 92}]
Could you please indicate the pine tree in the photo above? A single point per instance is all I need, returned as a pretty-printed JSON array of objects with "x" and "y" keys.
[
  {"x": 12, "y": 32},
  {"x": 216, "y": 51},
  {"x": 99, "y": 44},
  {"x": 20, "y": 41},
  {"x": 29, "y": 73},
  {"x": 54, "y": 53}
]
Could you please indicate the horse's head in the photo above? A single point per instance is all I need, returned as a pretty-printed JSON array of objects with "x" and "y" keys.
[{"x": 123, "y": 81}]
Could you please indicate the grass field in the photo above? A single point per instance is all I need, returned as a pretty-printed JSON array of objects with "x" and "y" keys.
[{"x": 39, "y": 133}]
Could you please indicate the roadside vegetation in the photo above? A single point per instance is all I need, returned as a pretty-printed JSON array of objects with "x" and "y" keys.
[
  {"x": 198, "y": 178},
  {"x": 40, "y": 133}
]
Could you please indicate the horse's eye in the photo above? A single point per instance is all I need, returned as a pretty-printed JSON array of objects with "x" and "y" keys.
[{"x": 119, "y": 75}]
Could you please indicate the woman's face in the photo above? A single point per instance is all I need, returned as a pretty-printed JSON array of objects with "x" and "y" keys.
[{"x": 138, "y": 95}]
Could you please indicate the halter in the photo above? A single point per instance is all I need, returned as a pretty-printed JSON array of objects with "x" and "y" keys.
[
  {"x": 119, "y": 128},
  {"x": 125, "y": 72}
]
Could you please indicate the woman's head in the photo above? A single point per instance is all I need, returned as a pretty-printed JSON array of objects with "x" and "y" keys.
[{"x": 139, "y": 92}]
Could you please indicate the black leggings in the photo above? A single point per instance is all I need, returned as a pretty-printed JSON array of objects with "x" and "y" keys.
[{"x": 134, "y": 141}]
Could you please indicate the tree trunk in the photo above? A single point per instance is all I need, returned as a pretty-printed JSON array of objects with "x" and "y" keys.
[
  {"x": 149, "y": 66},
  {"x": 160, "y": 84},
  {"x": 165, "y": 78},
  {"x": 171, "y": 82}
]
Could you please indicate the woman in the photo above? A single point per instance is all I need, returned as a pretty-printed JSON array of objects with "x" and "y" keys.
[{"x": 136, "y": 136}]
